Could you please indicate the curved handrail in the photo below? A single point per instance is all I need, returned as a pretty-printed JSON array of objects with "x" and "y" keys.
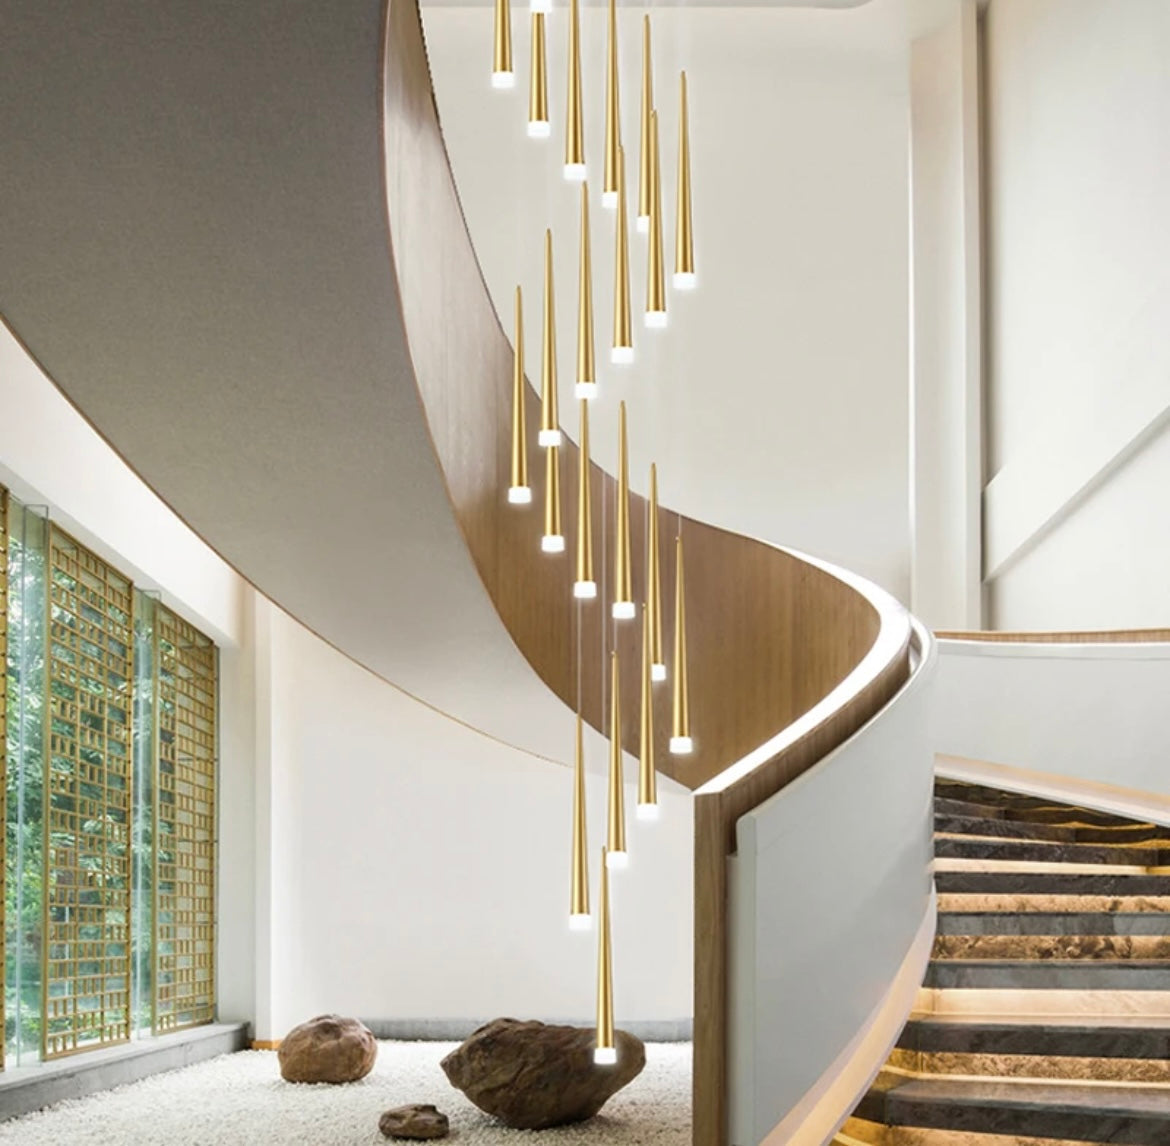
[{"x": 1073, "y": 637}]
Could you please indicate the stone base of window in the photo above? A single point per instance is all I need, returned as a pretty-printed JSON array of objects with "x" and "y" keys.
[{"x": 24, "y": 1089}]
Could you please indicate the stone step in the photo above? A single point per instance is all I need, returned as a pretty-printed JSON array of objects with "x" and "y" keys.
[
  {"x": 1124, "y": 1115},
  {"x": 1047, "y": 851},
  {"x": 1106, "y": 1038},
  {"x": 1057, "y": 815},
  {"x": 1054, "y": 923},
  {"x": 1052, "y": 947},
  {"x": 1046, "y": 884},
  {"x": 1020, "y": 829},
  {"x": 1050, "y": 974}
]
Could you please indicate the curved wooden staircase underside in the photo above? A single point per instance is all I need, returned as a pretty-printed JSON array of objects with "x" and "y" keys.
[{"x": 232, "y": 238}]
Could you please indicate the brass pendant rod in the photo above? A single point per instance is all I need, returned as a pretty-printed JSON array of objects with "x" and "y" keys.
[
  {"x": 519, "y": 492},
  {"x": 574, "y": 110},
  {"x": 579, "y": 895},
  {"x": 502, "y": 74},
  {"x": 586, "y": 371},
  {"x": 585, "y": 586},
  {"x": 684, "y": 239},
  {"x": 616, "y": 827},
  {"x": 550, "y": 431},
  {"x": 613, "y": 125},
  {"x": 644, "y": 185},
  {"x": 538, "y": 122},
  {"x": 623, "y": 594},
  {"x": 680, "y": 739},
  {"x": 654, "y": 583}
]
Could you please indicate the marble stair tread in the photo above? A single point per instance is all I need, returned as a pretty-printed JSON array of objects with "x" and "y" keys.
[
  {"x": 1052, "y": 883},
  {"x": 1143, "y": 1038},
  {"x": 1074, "y": 1112},
  {"x": 1047, "y": 851},
  {"x": 1131, "y": 834},
  {"x": 1054, "y": 923},
  {"x": 1054, "y": 815},
  {"x": 1046, "y": 974},
  {"x": 1054, "y": 948}
]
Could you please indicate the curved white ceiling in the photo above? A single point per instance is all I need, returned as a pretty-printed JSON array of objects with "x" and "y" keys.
[{"x": 195, "y": 248}]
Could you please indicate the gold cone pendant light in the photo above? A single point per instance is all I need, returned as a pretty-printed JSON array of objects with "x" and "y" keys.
[
  {"x": 644, "y": 187},
  {"x": 579, "y": 895},
  {"x": 503, "y": 77},
  {"x": 574, "y": 112},
  {"x": 623, "y": 594},
  {"x": 615, "y": 836},
  {"x": 655, "y": 278},
  {"x": 586, "y": 372},
  {"x": 538, "y": 122},
  {"x": 680, "y": 732},
  {"x": 613, "y": 126},
  {"x": 519, "y": 492},
  {"x": 605, "y": 1052},
  {"x": 684, "y": 240},
  {"x": 550, "y": 429},
  {"x": 553, "y": 539},
  {"x": 622, "y": 351},
  {"x": 647, "y": 808},
  {"x": 654, "y": 583},
  {"x": 584, "y": 587}
]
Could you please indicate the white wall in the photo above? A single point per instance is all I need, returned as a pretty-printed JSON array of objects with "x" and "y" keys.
[
  {"x": 422, "y": 871},
  {"x": 1078, "y": 291},
  {"x": 946, "y": 319},
  {"x": 376, "y": 857},
  {"x": 776, "y": 403},
  {"x": 1091, "y": 714}
]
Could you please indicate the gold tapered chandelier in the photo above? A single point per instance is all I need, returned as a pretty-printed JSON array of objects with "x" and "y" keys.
[
  {"x": 644, "y": 172},
  {"x": 655, "y": 279},
  {"x": 553, "y": 539},
  {"x": 623, "y": 608},
  {"x": 574, "y": 110},
  {"x": 615, "y": 836},
  {"x": 519, "y": 491},
  {"x": 613, "y": 126},
  {"x": 586, "y": 372},
  {"x": 680, "y": 732},
  {"x": 605, "y": 1050},
  {"x": 502, "y": 75},
  {"x": 550, "y": 429},
  {"x": 579, "y": 919},
  {"x": 622, "y": 351},
  {"x": 684, "y": 240},
  {"x": 584, "y": 587},
  {"x": 654, "y": 583},
  {"x": 539, "y": 126},
  {"x": 647, "y": 807}
]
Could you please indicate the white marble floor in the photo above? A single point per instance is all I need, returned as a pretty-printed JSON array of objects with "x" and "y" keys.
[{"x": 241, "y": 1100}]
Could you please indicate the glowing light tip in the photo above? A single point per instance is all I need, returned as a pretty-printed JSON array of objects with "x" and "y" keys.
[
  {"x": 685, "y": 280},
  {"x": 580, "y": 922},
  {"x": 503, "y": 81},
  {"x": 586, "y": 390},
  {"x": 624, "y": 610},
  {"x": 553, "y": 543},
  {"x": 549, "y": 438},
  {"x": 656, "y": 319},
  {"x": 617, "y": 859},
  {"x": 520, "y": 495},
  {"x": 539, "y": 129},
  {"x": 585, "y": 590},
  {"x": 575, "y": 172},
  {"x": 642, "y": 224},
  {"x": 609, "y": 199},
  {"x": 681, "y": 745},
  {"x": 621, "y": 355},
  {"x": 658, "y": 672},
  {"x": 605, "y": 1056},
  {"x": 648, "y": 812}
]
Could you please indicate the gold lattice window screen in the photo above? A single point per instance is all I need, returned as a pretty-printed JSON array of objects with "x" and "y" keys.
[
  {"x": 88, "y": 800},
  {"x": 184, "y": 882},
  {"x": 3, "y": 745}
]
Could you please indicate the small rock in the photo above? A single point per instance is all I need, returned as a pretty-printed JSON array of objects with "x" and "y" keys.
[
  {"x": 328, "y": 1048},
  {"x": 417, "y": 1121},
  {"x": 532, "y": 1076}
]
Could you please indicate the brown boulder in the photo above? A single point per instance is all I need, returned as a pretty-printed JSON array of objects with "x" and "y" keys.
[
  {"x": 328, "y": 1048},
  {"x": 532, "y": 1076},
  {"x": 418, "y": 1121}
]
